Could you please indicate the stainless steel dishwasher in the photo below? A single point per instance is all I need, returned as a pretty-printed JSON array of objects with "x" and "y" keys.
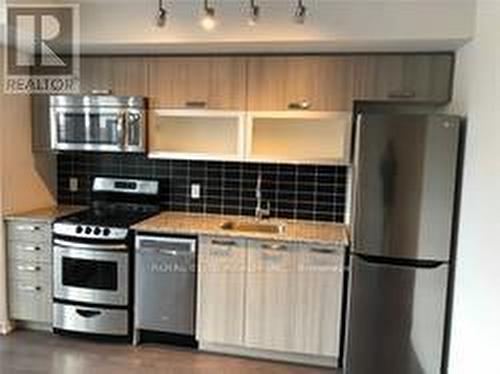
[{"x": 165, "y": 283}]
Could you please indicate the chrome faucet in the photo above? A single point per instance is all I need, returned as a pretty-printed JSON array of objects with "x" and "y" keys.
[{"x": 261, "y": 212}]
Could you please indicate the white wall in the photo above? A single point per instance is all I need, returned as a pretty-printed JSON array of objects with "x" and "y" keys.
[
  {"x": 475, "y": 345},
  {"x": 27, "y": 180},
  {"x": 128, "y": 26}
]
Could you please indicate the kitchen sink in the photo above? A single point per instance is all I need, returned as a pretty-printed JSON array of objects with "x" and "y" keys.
[{"x": 260, "y": 227}]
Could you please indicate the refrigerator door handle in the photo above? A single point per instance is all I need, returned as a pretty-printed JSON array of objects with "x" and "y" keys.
[
  {"x": 427, "y": 264},
  {"x": 356, "y": 182}
]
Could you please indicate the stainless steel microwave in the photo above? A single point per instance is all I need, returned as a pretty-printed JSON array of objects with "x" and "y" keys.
[{"x": 97, "y": 123}]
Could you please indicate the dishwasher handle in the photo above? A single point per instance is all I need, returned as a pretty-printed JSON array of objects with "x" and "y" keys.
[{"x": 169, "y": 246}]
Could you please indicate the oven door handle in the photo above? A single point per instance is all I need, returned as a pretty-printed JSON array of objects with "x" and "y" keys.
[
  {"x": 108, "y": 247},
  {"x": 86, "y": 313}
]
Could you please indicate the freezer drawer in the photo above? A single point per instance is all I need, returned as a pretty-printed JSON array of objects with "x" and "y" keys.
[
  {"x": 165, "y": 284},
  {"x": 396, "y": 320}
]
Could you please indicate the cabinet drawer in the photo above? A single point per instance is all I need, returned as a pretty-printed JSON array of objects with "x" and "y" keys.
[
  {"x": 29, "y": 251},
  {"x": 30, "y": 301},
  {"x": 30, "y": 271},
  {"x": 28, "y": 231}
]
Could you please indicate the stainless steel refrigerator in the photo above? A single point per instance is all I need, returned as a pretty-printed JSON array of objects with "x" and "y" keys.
[{"x": 406, "y": 172}]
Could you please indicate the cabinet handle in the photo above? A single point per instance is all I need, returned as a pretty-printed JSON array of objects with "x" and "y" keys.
[
  {"x": 28, "y": 228},
  {"x": 402, "y": 94},
  {"x": 28, "y": 268},
  {"x": 223, "y": 242},
  {"x": 196, "y": 104},
  {"x": 101, "y": 92},
  {"x": 29, "y": 248},
  {"x": 274, "y": 247},
  {"x": 300, "y": 105},
  {"x": 30, "y": 288},
  {"x": 324, "y": 250}
]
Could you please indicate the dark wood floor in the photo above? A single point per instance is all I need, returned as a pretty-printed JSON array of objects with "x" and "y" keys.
[{"x": 28, "y": 352}]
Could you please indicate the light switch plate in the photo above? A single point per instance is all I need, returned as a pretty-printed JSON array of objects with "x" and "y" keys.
[
  {"x": 73, "y": 184},
  {"x": 195, "y": 191}
]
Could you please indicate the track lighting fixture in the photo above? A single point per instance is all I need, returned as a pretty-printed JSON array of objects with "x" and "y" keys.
[
  {"x": 300, "y": 12},
  {"x": 161, "y": 15},
  {"x": 208, "y": 20},
  {"x": 254, "y": 13}
]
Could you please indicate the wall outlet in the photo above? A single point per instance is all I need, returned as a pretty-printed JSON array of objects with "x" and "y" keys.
[
  {"x": 73, "y": 184},
  {"x": 195, "y": 191}
]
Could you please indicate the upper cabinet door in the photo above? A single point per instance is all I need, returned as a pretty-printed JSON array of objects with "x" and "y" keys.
[
  {"x": 423, "y": 78},
  {"x": 197, "y": 82},
  {"x": 321, "y": 83},
  {"x": 120, "y": 75}
]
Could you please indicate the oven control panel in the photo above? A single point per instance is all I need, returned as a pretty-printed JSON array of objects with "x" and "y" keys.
[{"x": 90, "y": 231}]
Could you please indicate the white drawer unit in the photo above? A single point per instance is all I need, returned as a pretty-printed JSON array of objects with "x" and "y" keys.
[{"x": 29, "y": 270}]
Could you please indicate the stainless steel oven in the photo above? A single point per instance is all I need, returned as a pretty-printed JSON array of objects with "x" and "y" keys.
[
  {"x": 98, "y": 123},
  {"x": 91, "y": 273}
]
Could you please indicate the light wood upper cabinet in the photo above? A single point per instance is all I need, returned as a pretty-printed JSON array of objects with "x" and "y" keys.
[
  {"x": 121, "y": 75},
  {"x": 405, "y": 78},
  {"x": 221, "y": 290},
  {"x": 318, "y": 83},
  {"x": 206, "y": 82}
]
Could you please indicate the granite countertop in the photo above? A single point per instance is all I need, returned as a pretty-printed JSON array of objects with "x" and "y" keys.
[
  {"x": 48, "y": 214},
  {"x": 209, "y": 224}
]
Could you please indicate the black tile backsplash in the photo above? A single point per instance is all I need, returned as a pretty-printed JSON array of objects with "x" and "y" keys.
[{"x": 294, "y": 191}]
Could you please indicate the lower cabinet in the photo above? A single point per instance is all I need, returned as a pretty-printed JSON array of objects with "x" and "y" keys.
[
  {"x": 221, "y": 290},
  {"x": 29, "y": 270},
  {"x": 318, "y": 303},
  {"x": 271, "y": 296}
]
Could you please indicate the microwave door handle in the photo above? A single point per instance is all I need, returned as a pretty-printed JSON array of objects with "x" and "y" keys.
[
  {"x": 126, "y": 129},
  {"x": 121, "y": 129}
]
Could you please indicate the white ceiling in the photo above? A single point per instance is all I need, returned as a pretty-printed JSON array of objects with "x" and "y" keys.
[{"x": 128, "y": 26}]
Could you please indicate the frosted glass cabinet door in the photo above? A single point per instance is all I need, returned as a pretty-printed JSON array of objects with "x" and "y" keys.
[
  {"x": 299, "y": 136},
  {"x": 196, "y": 134}
]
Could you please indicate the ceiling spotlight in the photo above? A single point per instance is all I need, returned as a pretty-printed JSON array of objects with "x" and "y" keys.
[
  {"x": 161, "y": 15},
  {"x": 300, "y": 12},
  {"x": 254, "y": 13},
  {"x": 208, "y": 20}
]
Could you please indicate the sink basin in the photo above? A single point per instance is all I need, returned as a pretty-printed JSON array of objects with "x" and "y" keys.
[{"x": 268, "y": 228}]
